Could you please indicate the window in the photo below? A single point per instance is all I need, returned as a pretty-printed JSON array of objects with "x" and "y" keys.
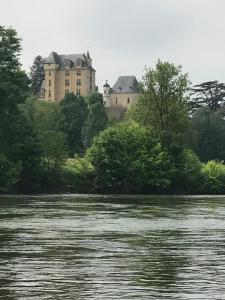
[
  {"x": 67, "y": 82},
  {"x": 67, "y": 73},
  {"x": 49, "y": 82},
  {"x": 49, "y": 93},
  {"x": 79, "y": 62},
  {"x": 78, "y": 73},
  {"x": 116, "y": 100},
  {"x": 78, "y": 82},
  {"x": 49, "y": 73},
  {"x": 78, "y": 92},
  {"x": 128, "y": 100},
  {"x": 66, "y": 91},
  {"x": 104, "y": 91}
]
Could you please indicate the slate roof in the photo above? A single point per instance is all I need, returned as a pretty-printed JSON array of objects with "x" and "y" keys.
[
  {"x": 60, "y": 59},
  {"x": 106, "y": 84},
  {"x": 126, "y": 84}
]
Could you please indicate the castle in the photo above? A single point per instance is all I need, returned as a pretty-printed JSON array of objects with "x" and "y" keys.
[
  {"x": 67, "y": 73},
  {"x": 74, "y": 73}
]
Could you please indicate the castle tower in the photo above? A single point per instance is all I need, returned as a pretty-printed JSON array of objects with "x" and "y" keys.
[{"x": 106, "y": 95}]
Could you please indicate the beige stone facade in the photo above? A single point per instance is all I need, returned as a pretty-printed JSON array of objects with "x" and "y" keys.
[
  {"x": 67, "y": 73},
  {"x": 123, "y": 94}
]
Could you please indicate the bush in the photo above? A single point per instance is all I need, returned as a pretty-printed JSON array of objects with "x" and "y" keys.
[
  {"x": 127, "y": 158},
  {"x": 9, "y": 174},
  {"x": 77, "y": 174},
  {"x": 189, "y": 177},
  {"x": 214, "y": 174}
]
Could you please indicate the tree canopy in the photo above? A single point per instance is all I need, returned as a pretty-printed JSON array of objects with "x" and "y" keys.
[
  {"x": 75, "y": 113},
  {"x": 37, "y": 74},
  {"x": 96, "y": 118},
  {"x": 209, "y": 94},
  {"x": 127, "y": 157},
  {"x": 163, "y": 105}
]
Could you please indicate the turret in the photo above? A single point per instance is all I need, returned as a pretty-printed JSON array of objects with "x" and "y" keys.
[
  {"x": 106, "y": 95},
  {"x": 89, "y": 60}
]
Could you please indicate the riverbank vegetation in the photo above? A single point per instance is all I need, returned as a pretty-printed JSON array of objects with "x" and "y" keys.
[{"x": 171, "y": 141}]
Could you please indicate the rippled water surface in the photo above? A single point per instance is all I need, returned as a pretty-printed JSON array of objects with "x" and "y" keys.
[{"x": 112, "y": 248}]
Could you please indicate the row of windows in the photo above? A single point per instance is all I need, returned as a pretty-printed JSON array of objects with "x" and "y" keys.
[
  {"x": 67, "y": 73},
  {"x": 78, "y": 92},
  {"x": 67, "y": 82}
]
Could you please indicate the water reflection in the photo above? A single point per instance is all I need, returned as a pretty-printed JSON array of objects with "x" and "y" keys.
[{"x": 112, "y": 248}]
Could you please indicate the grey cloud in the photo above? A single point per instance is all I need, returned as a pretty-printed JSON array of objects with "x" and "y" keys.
[{"x": 124, "y": 35}]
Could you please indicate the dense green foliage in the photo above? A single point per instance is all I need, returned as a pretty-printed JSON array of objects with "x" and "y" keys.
[
  {"x": 37, "y": 75},
  {"x": 46, "y": 119},
  {"x": 96, "y": 119},
  {"x": 214, "y": 173},
  {"x": 210, "y": 128},
  {"x": 127, "y": 157},
  {"x": 161, "y": 146},
  {"x": 78, "y": 174},
  {"x": 9, "y": 174},
  {"x": 163, "y": 104},
  {"x": 75, "y": 113}
]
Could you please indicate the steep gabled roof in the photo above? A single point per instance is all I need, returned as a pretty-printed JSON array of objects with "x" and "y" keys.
[
  {"x": 126, "y": 84},
  {"x": 55, "y": 58}
]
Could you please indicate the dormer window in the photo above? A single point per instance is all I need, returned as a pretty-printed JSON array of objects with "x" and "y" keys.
[
  {"x": 68, "y": 63},
  {"x": 79, "y": 62}
]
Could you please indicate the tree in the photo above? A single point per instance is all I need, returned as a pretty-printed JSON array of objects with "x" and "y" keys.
[
  {"x": 9, "y": 174},
  {"x": 128, "y": 158},
  {"x": 210, "y": 128},
  {"x": 96, "y": 120},
  {"x": 75, "y": 112},
  {"x": 209, "y": 94},
  {"x": 163, "y": 105},
  {"x": 37, "y": 75},
  {"x": 13, "y": 90},
  {"x": 46, "y": 119},
  {"x": 214, "y": 175}
]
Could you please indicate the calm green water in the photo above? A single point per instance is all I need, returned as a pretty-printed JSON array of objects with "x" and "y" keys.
[{"x": 112, "y": 248}]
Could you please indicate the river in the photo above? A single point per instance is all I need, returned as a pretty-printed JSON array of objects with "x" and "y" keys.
[{"x": 104, "y": 247}]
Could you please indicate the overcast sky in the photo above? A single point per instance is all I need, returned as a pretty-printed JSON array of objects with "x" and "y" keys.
[{"x": 124, "y": 35}]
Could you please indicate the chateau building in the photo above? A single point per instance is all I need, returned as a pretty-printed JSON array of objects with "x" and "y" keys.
[
  {"x": 124, "y": 93},
  {"x": 67, "y": 73}
]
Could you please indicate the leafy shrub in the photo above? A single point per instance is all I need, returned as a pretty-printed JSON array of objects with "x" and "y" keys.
[
  {"x": 128, "y": 158},
  {"x": 77, "y": 174},
  {"x": 214, "y": 174},
  {"x": 189, "y": 176},
  {"x": 9, "y": 174}
]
